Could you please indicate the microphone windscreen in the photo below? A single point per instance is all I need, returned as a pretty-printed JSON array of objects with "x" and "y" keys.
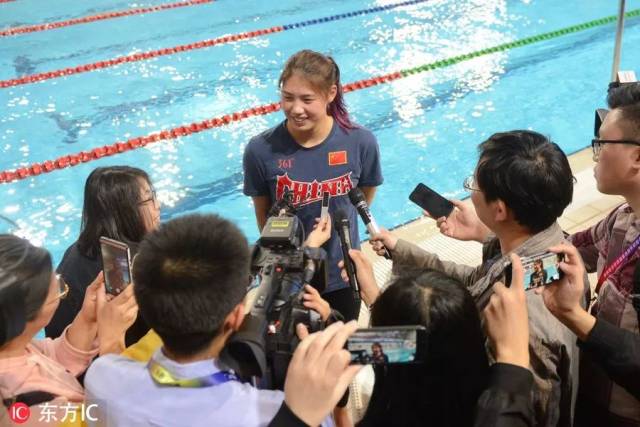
[
  {"x": 356, "y": 196},
  {"x": 339, "y": 216}
]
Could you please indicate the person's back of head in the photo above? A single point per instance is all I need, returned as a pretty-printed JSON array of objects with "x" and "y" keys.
[
  {"x": 529, "y": 173},
  {"x": 443, "y": 390},
  {"x": 111, "y": 208},
  {"x": 25, "y": 278},
  {"x": 189, "y": 275}
]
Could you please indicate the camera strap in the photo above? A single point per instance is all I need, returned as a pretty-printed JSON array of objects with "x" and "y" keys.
[
  {"x": 163, "y": 377},
  {"x": 616, "y": 264}
]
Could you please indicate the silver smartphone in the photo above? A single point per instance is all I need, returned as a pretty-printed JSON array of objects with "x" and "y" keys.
[{"x": 116, "y": 264}]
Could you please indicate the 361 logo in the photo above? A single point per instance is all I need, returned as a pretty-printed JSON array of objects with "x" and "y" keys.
[{"x": 19, "y": 413}]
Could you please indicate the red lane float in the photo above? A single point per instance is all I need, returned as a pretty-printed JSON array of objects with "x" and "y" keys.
[
  {"x": 93, "y": 18},
  {"x": 32, "y": 78},
  {"x": 70, "y": 160}
]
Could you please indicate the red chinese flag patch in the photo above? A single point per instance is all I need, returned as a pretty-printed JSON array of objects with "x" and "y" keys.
[{"x": 337, "y": 158}]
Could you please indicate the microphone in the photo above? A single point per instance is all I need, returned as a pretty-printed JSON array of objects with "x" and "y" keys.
[
  {"x": 357, "y": 199},
  {"x": 341, "y": 224}
]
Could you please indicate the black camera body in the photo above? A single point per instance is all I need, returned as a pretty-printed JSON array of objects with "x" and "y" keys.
[{"x": 267, "y": 338}]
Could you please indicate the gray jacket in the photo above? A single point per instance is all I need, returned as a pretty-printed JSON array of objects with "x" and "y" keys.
[{"x": 552, "y": 347}]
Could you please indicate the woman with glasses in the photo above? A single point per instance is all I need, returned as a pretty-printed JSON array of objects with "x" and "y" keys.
[
  {"x": 36, "y": 371},
  {"x": 119, "y": 203}
]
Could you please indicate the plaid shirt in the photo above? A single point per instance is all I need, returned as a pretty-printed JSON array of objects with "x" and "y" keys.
[{"x": 599, "y": 246}]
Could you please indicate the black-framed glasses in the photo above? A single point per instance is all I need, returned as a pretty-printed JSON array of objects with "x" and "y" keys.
[
  {"x": 469, "y": 183},
  {"x": 153, "y": 197},
  {"x": 596, "y": 144}
]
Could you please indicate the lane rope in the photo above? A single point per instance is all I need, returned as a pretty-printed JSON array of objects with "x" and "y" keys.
[
  {"x": 99, "y": 17},
  {"x": 47, "y": 75},
  {"x": 196, "y": 127}
]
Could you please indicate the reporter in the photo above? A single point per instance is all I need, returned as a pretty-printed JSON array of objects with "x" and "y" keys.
[
  {"x": 615, "y": 350},
  {"x": 119, "y": 203},
  {"x": 35, "y": 371}
]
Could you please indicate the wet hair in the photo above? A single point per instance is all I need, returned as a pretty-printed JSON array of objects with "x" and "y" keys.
[
  {"x": 189, "y": 275},
  {"x": 29, "y": 267},
  {"x": 111, "y": 208},
  {"x": 626, "y": 99},
  {"x": 445, "y": 388},
  {"x": 529, "y": 173},
  {"x": 321, "y": 72}
]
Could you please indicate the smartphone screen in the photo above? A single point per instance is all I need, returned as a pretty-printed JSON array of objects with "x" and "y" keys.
[
  {"x": 386, "y": 345},
  {"x": 539, "y": 270},
  {"x": 430, "y": 201},
  {"x": 116, "y": 264},
  {"x": 324, "y": 211}
]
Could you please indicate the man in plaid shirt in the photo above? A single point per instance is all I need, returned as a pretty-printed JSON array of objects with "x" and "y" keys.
[{"x": 617, "y": 154}]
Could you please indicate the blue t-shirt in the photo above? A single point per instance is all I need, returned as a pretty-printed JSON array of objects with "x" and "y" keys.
[{"x": 273, "y": 162}]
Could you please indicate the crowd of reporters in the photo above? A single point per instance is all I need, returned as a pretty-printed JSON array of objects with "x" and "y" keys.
[{"x": 497, "y": 355}]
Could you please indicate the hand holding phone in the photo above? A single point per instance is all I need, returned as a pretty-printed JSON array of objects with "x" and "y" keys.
[
  {"x": 430, "y": 201},
  {"x": 116, "y": 264}
]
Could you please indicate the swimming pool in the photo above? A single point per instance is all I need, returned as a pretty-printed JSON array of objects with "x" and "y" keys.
[{"x": 428, "y": 124}]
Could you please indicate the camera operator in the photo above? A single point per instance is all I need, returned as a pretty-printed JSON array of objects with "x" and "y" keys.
[
  {"x": 38, "y": 371},
  {"x": 191, "y": 280}
]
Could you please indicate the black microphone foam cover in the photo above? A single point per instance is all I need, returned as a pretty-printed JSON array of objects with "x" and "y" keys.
[
  {"x": 356, "y": 196},
  {"x": 338, "y": 216}
]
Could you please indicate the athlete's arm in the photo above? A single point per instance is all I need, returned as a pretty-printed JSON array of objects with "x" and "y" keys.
[
  {"x": 369, "y": 193},
  {"x": 261, "y": 204}
]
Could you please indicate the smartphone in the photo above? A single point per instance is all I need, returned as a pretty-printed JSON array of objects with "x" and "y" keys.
[
  {"x": 116, "y": 264},
  {"x": 539, "y": 270},
  {"x": 324, "y": 210},
  {"x": 387, "y": 345},
  {"x": 430, "y": 201}
]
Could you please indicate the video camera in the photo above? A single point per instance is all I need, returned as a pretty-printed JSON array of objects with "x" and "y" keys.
[{"x": 267, "y": 338}]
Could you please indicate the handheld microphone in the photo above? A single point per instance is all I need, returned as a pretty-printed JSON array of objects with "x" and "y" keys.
[
  {"x": 341, "y": 224},
  {"x": 357, "y": 199}
]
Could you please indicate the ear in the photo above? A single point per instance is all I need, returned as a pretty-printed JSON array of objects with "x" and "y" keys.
[
  {"x": 501, "y": 212},
  {"x": 333, "y": 91},
  {"x": 233, "y": 321}
]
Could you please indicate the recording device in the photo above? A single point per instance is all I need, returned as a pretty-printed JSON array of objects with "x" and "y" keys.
[
  {"x": 430, "y": 201},
  {"x": 116, "y": 264},
  {"x": 539, "y": 270},
  {"x": 342, "y": 226},
  {"x": 358, "y": 200},
  {"x": 324, "y": 209},
  {"x": 388, "y": 345},
  {"x": 281, "y": 266}
]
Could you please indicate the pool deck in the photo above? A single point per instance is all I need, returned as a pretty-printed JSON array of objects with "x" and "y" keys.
[{"x": 588, "y": 207}]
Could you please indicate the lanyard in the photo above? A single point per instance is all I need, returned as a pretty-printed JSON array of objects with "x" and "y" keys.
[
  {"x": 162, "y": 376},
  {"x": 617, "y": 263}
]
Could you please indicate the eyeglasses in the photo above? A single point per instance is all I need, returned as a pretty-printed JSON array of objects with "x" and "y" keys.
[
  {"x": 63, "y": 289},
  {"x": 469, "y": 183},
  {"x": 153, "y": 197},
  {"x": 596, "y": 145}
]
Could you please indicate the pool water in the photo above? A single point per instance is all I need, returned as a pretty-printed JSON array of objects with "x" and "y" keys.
[{"x": 428, "y": 125}]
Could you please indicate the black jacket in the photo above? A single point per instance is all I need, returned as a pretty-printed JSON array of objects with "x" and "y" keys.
[{"x": 78, "y": 271}]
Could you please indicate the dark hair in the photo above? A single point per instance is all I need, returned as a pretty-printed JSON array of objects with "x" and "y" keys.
[
  {"x": 321, "y": 72},
  {"x": 626, "y": 99},
  {"x": 111, "y": 208},
  {"x": 29, "y": 267},
  {"x": 623, "y": 95},
  {"x": 529, "y": 173},
  {"x": 445, "y": 388},
  {"x": 189, "y": 275}
]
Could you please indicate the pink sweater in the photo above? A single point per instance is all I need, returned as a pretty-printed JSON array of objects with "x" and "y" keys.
[{"x": 49, "y": 365}]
